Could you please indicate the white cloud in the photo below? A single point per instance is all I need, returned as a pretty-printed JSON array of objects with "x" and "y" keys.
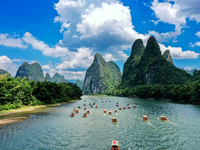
[
  {"x": 178, "y": 53},
  {"x": 7, "y": 64},
  {"x": 82, "y": 59},
  {"x": 46, "y": 67},
  {"x": 175, "y": 12},
  {"x": 161, "y": 37},
  {"x": 120, "y": 55},
  {"x": 49, "y": 68},
  {"x": 109, "y": 57},
  {"x": 17, "y": 60},
  {"x": 70, "y": 75},
  {"x": 7, "y": 40},
  {"x": 198, "y": 34},
  {"x": 100, "y": 25},
  {"x": 55, "y": 51},
  {"x": 168, "y": 13},
  {"x": 195, "y": 44},
  {"x": 64, "y": 26}
]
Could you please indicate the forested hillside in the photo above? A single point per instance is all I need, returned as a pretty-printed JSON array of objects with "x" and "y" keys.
[{"x": 15, "y": 93}]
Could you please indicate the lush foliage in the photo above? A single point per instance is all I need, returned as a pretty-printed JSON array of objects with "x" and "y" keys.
[
  {"x": 101, "y": 76},
  {"x": 152, "y": 67},
  {"x": 15, "y": 93},
  {"x": 187, "y": 93},
  {"x": 32, "y": 71}
]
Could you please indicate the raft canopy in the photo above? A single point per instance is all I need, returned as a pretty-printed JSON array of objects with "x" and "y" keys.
[
  {"x": 162, "y": 116},
  {"x": 115, "y": 143}
]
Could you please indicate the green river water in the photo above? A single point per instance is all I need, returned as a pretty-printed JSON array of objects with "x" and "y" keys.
[{"x": 52, "y": 128}]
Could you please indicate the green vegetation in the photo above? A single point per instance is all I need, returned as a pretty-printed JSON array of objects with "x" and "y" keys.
[
  {"x": 33, "y": 72},
  {"x": 148, "y": 74},
  {"x": 101, "y": 76},
  {"x": 4, "y": 72},
  {"x": 167, "y": 56},
  {"x": 151, "y": 68},
  {"x": 16, "y": 93},
  {"x": 187, "y": 93}
]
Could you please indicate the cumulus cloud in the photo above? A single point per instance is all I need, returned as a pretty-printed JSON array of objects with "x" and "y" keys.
[
  {"x": 8, "y": 65},
  {"x": 168, "y": 13},
  {"x": 175, "y": 12},
  {"x": 81, "y": 59},
  {"x": 70, "y": 75},
  {"x": 178, "y": 53},
  {"x": 119, "y": 55},
  {"x": 55, "y": 51},
  {"x": 101, "y": 25},
  {"x": 11, "y": 41},
  {"x": 109, "y": 57}
]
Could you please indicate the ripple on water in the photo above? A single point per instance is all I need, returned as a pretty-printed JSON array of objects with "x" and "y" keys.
[{"x": 52, "y": 128}]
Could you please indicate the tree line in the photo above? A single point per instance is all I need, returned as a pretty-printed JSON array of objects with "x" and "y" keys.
[
  {"x": 187, "y": 93},
  {"x": 16, "y": 93}
]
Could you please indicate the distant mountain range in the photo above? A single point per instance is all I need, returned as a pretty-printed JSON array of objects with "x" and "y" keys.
[
  {"x": 190, "y": 71},
  {"x": 79, "y": 83},
  {"x": 34, "y": 72},
  {"x": 146, "y": 65},
  {"x": 56, "y": 78}
]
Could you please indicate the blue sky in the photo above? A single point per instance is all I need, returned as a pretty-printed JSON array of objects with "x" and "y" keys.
[{"x": 64, "y": 35}]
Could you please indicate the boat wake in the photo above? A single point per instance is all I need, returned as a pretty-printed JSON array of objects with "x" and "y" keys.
[{"x": 172, "y": 123}]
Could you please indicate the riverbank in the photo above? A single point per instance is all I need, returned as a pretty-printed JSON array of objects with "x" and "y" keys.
[{"x": 10, "y": 117}]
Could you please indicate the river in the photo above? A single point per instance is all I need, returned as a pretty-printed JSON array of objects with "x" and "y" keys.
[{"x": 53, "y": 129}]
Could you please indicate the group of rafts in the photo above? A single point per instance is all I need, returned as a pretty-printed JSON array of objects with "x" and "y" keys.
[
  {"x": 163, "y": 118},
  {"x": 115, "y": 144}
]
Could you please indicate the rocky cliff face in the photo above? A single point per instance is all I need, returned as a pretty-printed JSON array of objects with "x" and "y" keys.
[
  {"x": 167, "y": 56},
  {"x": 152, "y": 67},
  {"x": 101, "y": 76},
  {"x": 32, "y": 71}
]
